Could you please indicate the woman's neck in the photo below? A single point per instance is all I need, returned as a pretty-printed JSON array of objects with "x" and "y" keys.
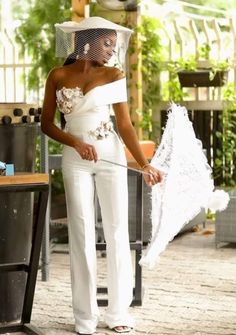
[{"x": 85, "y": 66}]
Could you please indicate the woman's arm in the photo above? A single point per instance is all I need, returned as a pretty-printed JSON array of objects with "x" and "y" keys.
[
  {"x": 49, "y": 128},
  {"x": 129, "y": 136}
]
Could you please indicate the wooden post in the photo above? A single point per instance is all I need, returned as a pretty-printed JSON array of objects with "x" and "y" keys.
[
  {"x": 135, "y": 73},
  {"x": 80, "y": 9},
  {"x": 233, "y": 32}
]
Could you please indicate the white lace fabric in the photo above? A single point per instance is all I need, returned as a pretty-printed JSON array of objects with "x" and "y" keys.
[
  {"x": 187, "y": 185},
  {"x": 65, "y": 98}
]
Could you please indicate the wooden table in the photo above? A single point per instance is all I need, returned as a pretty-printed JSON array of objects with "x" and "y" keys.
[{"x": 27, "y": 182}]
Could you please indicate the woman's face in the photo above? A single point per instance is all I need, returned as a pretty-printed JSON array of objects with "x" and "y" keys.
[{"x": 103, "y": 48}]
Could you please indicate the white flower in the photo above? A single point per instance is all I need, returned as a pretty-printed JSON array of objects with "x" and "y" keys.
[
  {"x": 67, "y": 93},
  {"x": 103, "y": 131},
  {"x": 65, "y": 97}
]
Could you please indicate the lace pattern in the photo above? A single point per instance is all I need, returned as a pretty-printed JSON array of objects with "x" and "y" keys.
[
  {"x": 187, "y": 186},
  {"x": 65, "y": 97},
  {"x": 102, "y": 131}
]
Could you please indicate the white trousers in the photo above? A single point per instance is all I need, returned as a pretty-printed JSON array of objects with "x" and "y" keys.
[{"x": 81, "y": 179}]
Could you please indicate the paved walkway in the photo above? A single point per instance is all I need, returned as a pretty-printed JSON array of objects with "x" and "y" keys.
[{"x": 191, "y": 292}]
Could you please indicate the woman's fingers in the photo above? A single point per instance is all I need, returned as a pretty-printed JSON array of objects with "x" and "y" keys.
[
  {"x": 89, "y": 153},
  {"x": 154, "y": 176}
]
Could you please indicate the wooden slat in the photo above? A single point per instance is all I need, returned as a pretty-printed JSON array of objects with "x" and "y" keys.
[
  {"x": 204, "y": 105},
  {"x": 217, "y": 144},
  {"x": 24, "y": 178},
  {"x": 202, "y": 127}
]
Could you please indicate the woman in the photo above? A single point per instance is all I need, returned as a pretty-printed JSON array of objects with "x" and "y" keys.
[{"x": 83, "y": 90}]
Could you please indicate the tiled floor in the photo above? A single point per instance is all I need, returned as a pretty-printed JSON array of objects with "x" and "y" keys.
[{"x": 191, "y": 292}]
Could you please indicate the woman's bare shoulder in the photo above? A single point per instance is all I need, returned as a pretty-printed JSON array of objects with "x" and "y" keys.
[
  {"x": 56, "y": 74},
  {"x": 113, "y": 73}
]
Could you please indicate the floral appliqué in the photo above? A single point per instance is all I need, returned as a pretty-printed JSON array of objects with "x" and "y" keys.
[
  {"x": 103, "y": 131},
  {"x": 65, "y": 98}
]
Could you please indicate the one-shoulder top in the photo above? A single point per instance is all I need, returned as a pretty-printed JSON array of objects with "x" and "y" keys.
[{"x": 73, "y": 103}]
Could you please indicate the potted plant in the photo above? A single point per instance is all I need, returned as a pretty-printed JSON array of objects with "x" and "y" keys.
[{"x": 212, "y": 74}]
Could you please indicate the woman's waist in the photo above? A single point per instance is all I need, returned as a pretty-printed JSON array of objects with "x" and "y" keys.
[
  {"x": 97, "y": 128},
  {"x": 109, "y": 148},
  {"x": 85, "y": 121}
]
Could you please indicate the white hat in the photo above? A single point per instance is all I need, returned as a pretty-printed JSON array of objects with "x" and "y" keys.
[
  {"x": 94, "y": 38},
  {"x": 93, "y": 22}
]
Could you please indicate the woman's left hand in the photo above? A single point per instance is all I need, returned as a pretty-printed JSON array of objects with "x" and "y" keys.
[{"x": 152, "y": 175}]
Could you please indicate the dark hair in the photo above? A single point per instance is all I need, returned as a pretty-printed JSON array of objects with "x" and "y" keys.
[{"x": 81, "y": 38}]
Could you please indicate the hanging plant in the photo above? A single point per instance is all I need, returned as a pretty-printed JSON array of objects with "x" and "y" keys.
[{"x": 192, "y": 75}]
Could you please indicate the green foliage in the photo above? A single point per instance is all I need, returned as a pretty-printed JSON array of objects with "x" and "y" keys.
[
  {"x": 152, "y": 56},
  {"x": 36, "y": 35},
  {"x": 204, "y": 51},
  {"x": 218, "y": 66},
  {"x": 186, "y": 64},
  {"x": 226, "y": 155},
  {"x": 172, "y": 90},
  {"x": 57, "y": 182}
]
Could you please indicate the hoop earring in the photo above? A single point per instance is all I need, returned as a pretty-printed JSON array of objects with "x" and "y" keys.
[{"x": 86, "y": 48}]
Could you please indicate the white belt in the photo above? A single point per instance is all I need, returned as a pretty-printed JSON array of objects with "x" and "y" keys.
[{"x": 96, "y": 128}]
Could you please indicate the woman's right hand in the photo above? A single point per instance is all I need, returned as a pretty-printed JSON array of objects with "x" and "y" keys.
[
  {"x": 86, "y": 151},
  {"x": 152, "y": 175}
]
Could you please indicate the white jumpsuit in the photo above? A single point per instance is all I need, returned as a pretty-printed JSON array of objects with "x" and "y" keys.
[{"x": 88, "y": 117}]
